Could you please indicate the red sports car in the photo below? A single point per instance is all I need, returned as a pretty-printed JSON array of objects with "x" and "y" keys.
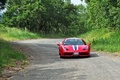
[{"x": 71, "y": 47}]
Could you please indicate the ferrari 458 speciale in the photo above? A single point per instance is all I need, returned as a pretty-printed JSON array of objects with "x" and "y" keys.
[{"x": 71, "y": 47}]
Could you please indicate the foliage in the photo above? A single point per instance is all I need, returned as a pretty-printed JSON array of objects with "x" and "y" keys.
[
  {"x": 10, "y": 34},
  {"x": 103, "y": 14},
  {"x": 107, "y": 41},
  {"x": 110, "y": 44},
  {"x": 45, "y": 16},
  {"x": 104, "y": 21},
  {"x": 8, "y": 56},
  {"x": 3, "y": 3},
  {"x": 97, "y": 34},
  {"x": 62, "y": 17},
  {"x": 55, "y": 17}
]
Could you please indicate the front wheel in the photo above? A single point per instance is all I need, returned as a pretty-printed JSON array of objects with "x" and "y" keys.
[
  {"x": 61, "y": 57},
  {"x": 60, "y": 54},
  {"x": 59, "y": 51}
]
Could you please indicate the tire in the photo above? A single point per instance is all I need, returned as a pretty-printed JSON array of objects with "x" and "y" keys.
[
  {"x": 60, "y": 54},
  {"x": 61, "y": 57},
  {"x": 59, "y": 51}
]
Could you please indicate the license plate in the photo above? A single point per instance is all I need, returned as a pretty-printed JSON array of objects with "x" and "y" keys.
[{"x": 76, "y": 54}]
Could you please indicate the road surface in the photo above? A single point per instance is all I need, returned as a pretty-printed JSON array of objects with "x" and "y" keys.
[{"x": 46, "y": 64}]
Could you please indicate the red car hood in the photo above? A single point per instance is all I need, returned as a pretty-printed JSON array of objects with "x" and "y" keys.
[{"x": 75, "y": 47}]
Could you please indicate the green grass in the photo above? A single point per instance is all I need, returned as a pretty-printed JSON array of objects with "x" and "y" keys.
[
  {"x": 11, "y": 34},
  {"x": 8, "y": 55},
  {"x": 103, "y": 40}
]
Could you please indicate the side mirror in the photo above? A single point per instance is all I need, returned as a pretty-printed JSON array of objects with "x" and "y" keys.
[
  {"x": 89, "y": 44},
  {"x": 58, "y": 44}
]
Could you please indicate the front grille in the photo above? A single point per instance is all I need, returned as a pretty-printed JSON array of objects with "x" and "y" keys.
[
  {"x": 83, "y": 53},
  {"x": 68, "y": 53}
]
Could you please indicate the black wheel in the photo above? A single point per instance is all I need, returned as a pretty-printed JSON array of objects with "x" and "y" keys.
[
  {"x": 61, "y": 57},
  {"x": 59, "y": 51},
  {"x": 59, "y": 54}
]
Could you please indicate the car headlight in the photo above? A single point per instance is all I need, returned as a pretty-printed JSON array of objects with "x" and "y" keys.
[
  {"x": 65, "y": 48},
  {"x": 86, "y": 48}
]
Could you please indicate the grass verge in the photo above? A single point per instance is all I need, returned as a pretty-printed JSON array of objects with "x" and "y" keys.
[
  {"x": 10, "y": 34},
  {"x": 103, "y": 40},
  {"x": 8, "y": 55}
]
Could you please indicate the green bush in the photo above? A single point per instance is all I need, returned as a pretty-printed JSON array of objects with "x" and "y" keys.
[{"x": 103, "y": 40}]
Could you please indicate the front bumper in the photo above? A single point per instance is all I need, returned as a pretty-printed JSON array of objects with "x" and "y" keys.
[{"x": 72, "y": 54}]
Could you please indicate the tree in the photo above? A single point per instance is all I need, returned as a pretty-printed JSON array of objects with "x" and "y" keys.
[
  {"x": 3, "y": 3},
  {"x": 104, "y": 13},
  {"x": 44, "y": 16}
]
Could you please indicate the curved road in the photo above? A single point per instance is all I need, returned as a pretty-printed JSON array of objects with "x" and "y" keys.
[{"x": 46, "y": 64}]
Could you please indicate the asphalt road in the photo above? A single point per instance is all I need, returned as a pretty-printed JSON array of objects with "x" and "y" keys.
[{"x": 46, "y": 64}]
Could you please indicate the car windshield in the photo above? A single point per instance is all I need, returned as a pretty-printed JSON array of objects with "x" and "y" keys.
[{"x": 74, "y": 42}]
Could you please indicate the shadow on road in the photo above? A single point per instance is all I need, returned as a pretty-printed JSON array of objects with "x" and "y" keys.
[{"x": 94, "y": 55}]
